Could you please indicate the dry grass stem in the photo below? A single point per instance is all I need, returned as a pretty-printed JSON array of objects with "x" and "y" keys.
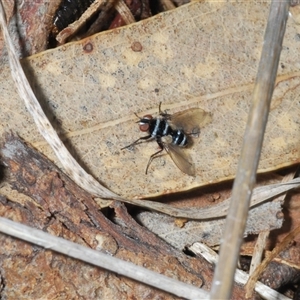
[{"x": 251, "y": 149}]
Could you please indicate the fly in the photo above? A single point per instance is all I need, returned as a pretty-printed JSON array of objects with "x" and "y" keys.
[{"x": 172, "y": 133}]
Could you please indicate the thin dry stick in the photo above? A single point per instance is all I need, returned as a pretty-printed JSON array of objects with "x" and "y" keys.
[
  {"x": 259, "y": 248},
  {"x": 262, "y": 237},
  {"x": 95, "y": 27},
  {"x": 125, "y": 12},
  {"x": 288, "y": 263},
  {"x": 283, "y": 245},
  {"x": 167, "y": 4},
  {"x": 251, "y": 149},
  {"x": 102, "y": 260},
  {"x": 240, "y": 276},
  {"x": 75, "y": 26}
]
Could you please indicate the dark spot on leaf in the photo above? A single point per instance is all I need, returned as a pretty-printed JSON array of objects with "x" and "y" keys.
[
  {"x": 136, "y": 47},
  {"x": 88, "y": 47}
]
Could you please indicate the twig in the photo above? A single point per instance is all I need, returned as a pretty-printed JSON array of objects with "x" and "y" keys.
[
  {"x": 251, "y": 149},
  {"x": 240, "y": 276},
  {"x": 125, "y": 12},
  {"x": 283, "y": 245},
  {"x": 75, "y": 26},
  {"x": 262, "y": 237},
  {"x": 95, "y": 27},
  {"x": 167, "y": 5}
]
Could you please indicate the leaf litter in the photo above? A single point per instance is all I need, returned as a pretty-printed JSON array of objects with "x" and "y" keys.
[
  {"x": 185, "y": 183},
  {"x": 286, "y": 120},
  {"x": 92, "y": 88}
]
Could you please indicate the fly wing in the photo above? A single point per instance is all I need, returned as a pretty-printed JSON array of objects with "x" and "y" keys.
[
  {"x": 180, "y": 159},
  {"x": 190, "y": 120}
]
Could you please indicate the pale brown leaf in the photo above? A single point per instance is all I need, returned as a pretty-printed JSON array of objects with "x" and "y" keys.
[{"x": 207, "y": 58}]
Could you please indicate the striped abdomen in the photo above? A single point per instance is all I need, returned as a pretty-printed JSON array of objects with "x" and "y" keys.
[
  {"x": 179, "y": 138},
  {"x": 159, "y": 127}
]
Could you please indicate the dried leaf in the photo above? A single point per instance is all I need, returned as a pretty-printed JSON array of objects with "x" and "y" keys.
[
  {"x": 91, "y": 89},
  {"x": 209, "y": 232},
  {"x": 262, "y": 217}
]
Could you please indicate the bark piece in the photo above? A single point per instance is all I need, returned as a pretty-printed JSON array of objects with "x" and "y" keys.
[{"x": 58, "y": 206}]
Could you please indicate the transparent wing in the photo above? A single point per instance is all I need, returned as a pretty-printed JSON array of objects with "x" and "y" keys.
[
  {"x": 180, "y": 159},
  {"x": 190, "y": 119}
]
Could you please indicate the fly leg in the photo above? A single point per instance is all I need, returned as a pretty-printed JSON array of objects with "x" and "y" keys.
[
  {"x": 138, "y": 141},
  {"x": 163, "y": 113},
  {"x": 154, "y": 155}
]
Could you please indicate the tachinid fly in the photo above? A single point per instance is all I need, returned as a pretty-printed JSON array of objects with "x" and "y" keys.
[{"x": 172, "y": 133}]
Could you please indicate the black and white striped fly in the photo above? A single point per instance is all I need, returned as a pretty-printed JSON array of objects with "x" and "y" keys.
[{"x": 172, "y": 133}]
